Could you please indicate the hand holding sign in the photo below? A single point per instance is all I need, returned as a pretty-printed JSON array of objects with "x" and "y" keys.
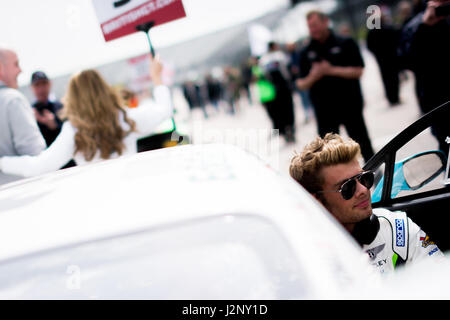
[
  {"x": 156, "y": 70},
  {"x": 119, "y": 18},
  {"x": 145, "y": 27}
]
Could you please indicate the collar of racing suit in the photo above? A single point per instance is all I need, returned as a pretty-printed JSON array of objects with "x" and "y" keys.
[{"x": 366, "y": 230}]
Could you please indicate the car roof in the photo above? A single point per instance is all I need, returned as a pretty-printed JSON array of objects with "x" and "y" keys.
[{"x": 155, "y": 189}]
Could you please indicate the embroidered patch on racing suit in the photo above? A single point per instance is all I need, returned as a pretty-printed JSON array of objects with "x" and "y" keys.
[
  {"x": 426, "y": 241},
  {"x": 400, "y": 232}
]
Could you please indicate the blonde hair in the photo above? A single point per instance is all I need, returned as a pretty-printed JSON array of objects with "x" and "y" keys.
[
  {"x": 331, "y": 150},
  {"x": 93, "y": 107}
]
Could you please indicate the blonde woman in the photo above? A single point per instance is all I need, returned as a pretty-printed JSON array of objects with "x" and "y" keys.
[{"x": 99, "y": 127}]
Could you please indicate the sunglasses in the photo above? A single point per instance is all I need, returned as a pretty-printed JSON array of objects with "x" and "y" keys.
[{"x": 348, "y": 188}]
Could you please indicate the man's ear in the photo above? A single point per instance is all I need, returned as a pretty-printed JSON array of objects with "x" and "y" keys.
[{"x": 318, "y": 198}]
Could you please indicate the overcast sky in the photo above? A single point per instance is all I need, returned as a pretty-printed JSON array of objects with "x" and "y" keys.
[{"x": 62, "y": 36}]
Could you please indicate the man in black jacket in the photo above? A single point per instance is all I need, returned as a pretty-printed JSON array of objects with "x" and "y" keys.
[
  {"x": 383, "y": 42},
  {"x": 425, "y": 50},
  {"x": 45, "y": 110},
  {"x": 330, "y": 67}
]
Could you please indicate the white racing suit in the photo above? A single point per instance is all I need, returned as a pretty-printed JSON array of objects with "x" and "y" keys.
[{"x": 395, "y": 240}]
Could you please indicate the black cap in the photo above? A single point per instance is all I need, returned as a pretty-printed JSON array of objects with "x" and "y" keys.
[{"x": 37, "y": 76}]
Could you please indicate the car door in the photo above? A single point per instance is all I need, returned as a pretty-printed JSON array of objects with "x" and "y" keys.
[{"x": 412, "y": 174}]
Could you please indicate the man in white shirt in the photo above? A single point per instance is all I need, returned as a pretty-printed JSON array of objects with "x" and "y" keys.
[
  {"x": 19, "y": 133},
  {"x": 329, "y": 169}
]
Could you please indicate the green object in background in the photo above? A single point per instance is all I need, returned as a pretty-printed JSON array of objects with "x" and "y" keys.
[{"x": 266, "y": 90}]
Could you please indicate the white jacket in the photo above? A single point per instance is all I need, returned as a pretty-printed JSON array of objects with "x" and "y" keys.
[
  {"x": 399, "y": 241},
  {"x": 147, "y": 118}
]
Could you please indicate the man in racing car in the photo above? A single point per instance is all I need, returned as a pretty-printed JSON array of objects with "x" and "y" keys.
[{"x": 329, "y": 169}]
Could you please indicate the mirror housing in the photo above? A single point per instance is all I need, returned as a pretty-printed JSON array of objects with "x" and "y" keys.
[
  {"x": 413, "y": 173},
  {"x": 423, "y": 168}
]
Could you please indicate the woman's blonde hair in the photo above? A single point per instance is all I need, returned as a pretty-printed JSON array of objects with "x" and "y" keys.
[
  {"x": 93, "y": 107},
  {"x": 331, "y": 150}
]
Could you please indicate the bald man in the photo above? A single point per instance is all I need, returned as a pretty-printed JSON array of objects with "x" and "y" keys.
[{"x": 19, "y": 133}]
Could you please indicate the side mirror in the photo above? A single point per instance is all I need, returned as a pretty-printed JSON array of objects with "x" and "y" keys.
[
  {"x": 447, "y": 171},
  {"x": 413, "y": 173},
  {"x": 423, "y": 168}
]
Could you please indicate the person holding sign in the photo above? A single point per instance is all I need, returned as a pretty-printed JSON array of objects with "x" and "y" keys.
[{"x": 99, "y": 127}]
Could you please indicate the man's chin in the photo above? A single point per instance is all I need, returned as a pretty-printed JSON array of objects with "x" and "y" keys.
[
  {"x": 366, "y": 212},
  {"x": 363, "y": 211}
]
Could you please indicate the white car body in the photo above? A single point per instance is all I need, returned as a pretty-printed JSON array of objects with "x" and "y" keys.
[{"x": 189, "y": 222}]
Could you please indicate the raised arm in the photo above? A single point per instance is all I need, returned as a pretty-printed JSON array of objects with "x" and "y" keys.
[{"x": 148, "y": 117}]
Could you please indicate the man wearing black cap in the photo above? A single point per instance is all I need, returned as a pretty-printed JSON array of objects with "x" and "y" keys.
[{"x": 45, "y": 111}]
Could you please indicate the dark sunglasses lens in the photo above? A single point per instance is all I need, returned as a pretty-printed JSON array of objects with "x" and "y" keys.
[
  {"x": 366, "y": 179},
  {"x": 348, "y": 189}
]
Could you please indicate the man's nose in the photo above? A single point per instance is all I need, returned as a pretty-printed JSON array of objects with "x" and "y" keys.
[{"x": 360, "y": 189}]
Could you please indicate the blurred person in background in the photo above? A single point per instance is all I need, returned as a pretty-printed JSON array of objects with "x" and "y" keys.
[
  {"x": 193, "y": 95},
  {"x": 275, "y": 67},
  {"x": 246, "y": 71},
  {"x": 45, "y": 110},
  {"x": 345, "y": 30},
  {"x": 19, "y": 132},
  {"x": 233, "y": 84},
  {"x": 404, "y": 12},
  {"x": 330, "y": 68},
  {"x": 419, "y": 6},
  {"x": 214, "y": 90},
  {"x": 265, "y": 91},
  {"x": 99, "y": 127},
  {"x": 130, "y": 98},
  {"x": 424, "y": 49},
  {"x": 293, "y": 50},
  {"x": 383, "y": 42}
]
